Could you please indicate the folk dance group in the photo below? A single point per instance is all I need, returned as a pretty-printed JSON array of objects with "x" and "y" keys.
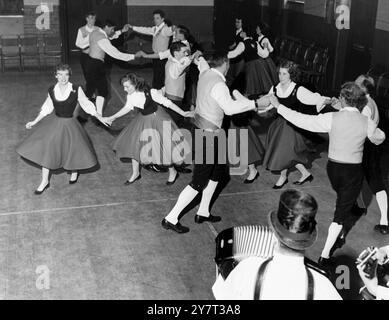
[{"x": 60, "y": 141}]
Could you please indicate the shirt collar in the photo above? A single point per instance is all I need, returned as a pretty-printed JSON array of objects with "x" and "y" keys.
[
  {"x": 89, "y": 29},
  {"x": 281, "y": 258},
  {"x": 102, "y": 31},
  {"x": 291, "y": 85},
  {"x": 58, "y": 93},
  {"x": 350, "y": 109},
  {"x": 157, "y": 28},
  {"x": 219, "y": 73},
  {"x": 239, "y": 31}
]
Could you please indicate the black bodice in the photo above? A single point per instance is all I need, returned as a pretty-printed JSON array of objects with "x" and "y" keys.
[
  {"x": 65, "y": 109},
  {"x": 250, "y": 53},
  {"x": 150, "y": 105}
]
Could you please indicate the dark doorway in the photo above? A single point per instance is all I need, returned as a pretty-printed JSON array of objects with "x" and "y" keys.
[
  {"x": 225, "y": 12},
  {"x": 73, "y": 17},
  {"x": 361, "y": 39}
]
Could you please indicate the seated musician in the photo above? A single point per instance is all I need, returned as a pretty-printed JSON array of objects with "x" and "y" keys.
[
  {"x": 373, "y": 286},
  {"x": 285, "y": 276}
]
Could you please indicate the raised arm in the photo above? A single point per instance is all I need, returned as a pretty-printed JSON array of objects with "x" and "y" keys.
[
  {"x": 85, "y": 103},
  {"x": 109, "y": 49},
  {"x": 144, "y": 30}
]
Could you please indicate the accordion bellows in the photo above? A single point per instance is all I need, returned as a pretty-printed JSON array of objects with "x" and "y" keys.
[{"x": 241, "y": 242}]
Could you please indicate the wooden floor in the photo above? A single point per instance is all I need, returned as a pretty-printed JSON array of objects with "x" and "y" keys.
[{"x": 101, "y": 240}]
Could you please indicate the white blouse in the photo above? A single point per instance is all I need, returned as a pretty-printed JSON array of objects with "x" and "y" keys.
[
  {"x": 304, "y": 95},
  {"x": 138, "y": 100},
  {"x": 85, "y": 103},
  {"x": 264, "y": 52}
]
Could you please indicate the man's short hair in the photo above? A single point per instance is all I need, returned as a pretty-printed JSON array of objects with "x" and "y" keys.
[
  {"x": 160, "y": 12},
  {"x": 354, "y": 95},
  {"x": 218, "y": 59},
  {"x": 176, "y": 47},
  {"x": 109, "y": 23},
  {"x": 367, "y": 84},
  {"x": 90, "y": 14}
]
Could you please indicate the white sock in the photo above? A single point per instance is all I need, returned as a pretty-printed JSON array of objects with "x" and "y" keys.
[
  {"x": 333, "y": 233},
  {"x": 208, "y": 193},
  {"x": 185, "y": 198},
  {"x": 382, "y": 200}
]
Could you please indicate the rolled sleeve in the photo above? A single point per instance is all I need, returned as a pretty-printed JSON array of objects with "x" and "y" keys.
[
  {"x": 85, "y": 103},
  {"x": 221, "y": 94},
  {"x": 47, "y": 107},
  {"x": 81, "y": 41},
  {"x": 109, "y": 49},
  {"x": 157, "y": 96},
  {"x": 237, "y": 51},
  {"x": 309, "y": 98},
  {"x": 374, "y": 134}
]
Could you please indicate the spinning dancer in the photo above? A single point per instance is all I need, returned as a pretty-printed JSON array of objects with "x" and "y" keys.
[
  {"x": 285, "y": 145},
  {"x": 213, "y": 101},
  {"x": 348, "y": 130},
  {"x": 148, "y": 130},
  {"x": 60, "y": 141}
]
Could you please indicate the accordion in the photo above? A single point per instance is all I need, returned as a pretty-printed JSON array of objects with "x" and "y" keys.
[{"x": 235, "y": 244}]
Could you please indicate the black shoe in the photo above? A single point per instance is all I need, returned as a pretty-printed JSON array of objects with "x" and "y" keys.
[
  {"x": 247, "y": 181},
  {"x": 38, "y": 193},
  {"x": 325, "y": 263},
  {"x": 339, "y": 243},
  {"x": 175, "y": 227},
  {"x": 183, "y": 170},
  {"x": 300, "y": 183},
  {"x": 280, "y": 187},
  {"x": 211, "y": 218},
  {"x": 158, "y": 169},
  {"x": 74, "y": 181},
  {"x": 382, "y": 229},
  {"x": 170, "y": 183},
  {"x": 128, "y": 182}
]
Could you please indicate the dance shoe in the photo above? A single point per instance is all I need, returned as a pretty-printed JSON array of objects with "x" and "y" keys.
[
  {"x": 175, "y": 227},
  {"x": 170, "y": 183},
  {"x": 280, "y": 187},
  {"x": 38, "y": 193},
  {"x": 211, "y": 218},
  {"x": 128, "y": 182},
  {"x": 247, "y": 181},
  {"x": 382, "y": 229},
  {"x": 300, "y": 183}
]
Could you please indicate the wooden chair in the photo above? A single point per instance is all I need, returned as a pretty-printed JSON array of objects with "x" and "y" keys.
[
  {"x": 52, "y": 48},
  {"x": 30, "y": 50},
  {"x": 10, "y": 50}
]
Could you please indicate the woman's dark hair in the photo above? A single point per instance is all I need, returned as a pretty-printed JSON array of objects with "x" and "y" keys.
[
  {"x": 297, "y": 211},
  {"x": 263, "y": 26},
  {"x": 367, "y": 84},
  {"x": 218, "y": 59},
  {"x": 137, "y": 81},
  {"x": 184, "y": 31},
  {"x": 62, "y": 67},
  {"x": 292, "y": 68},
  {"x": 108, "y": 23},
  {"x": 353, "y": 95},
  {"x": 160, "y": 12},
  {"x": 176, "y": 47}
]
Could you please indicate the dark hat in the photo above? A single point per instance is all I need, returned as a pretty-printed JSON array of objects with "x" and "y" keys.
[{"x": 294, "y": 223}]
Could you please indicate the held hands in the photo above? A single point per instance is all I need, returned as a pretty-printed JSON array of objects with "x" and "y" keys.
[
  {"x": 103, "y": 120},
  {"x": 274, "y": 101},
  {"x": 371, "y": 284},
  {"x": 126, "y": 28},
  {"x": 336, "y": 104},
  {"x": 30, "y": 125},
  {"x": 188, "y": 114},
  {"x": 139, "y": 54}
]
